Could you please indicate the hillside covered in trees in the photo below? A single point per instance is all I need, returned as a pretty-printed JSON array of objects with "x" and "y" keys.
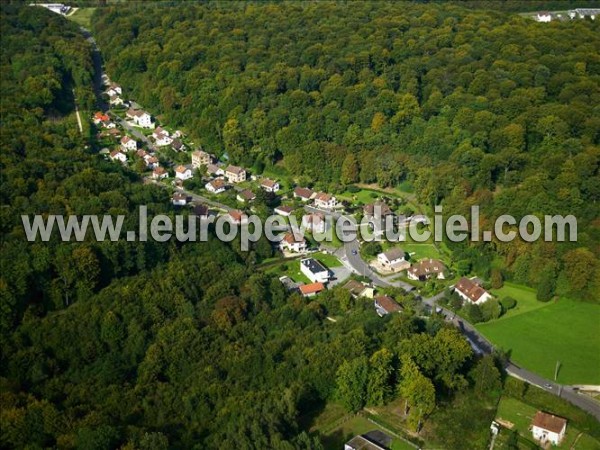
[{"x": 470, "y": 106}]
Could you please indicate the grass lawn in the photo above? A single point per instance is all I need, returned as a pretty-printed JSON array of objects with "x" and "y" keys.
[
  {"x": 524, "y": 296},
  {"x": 83, "y": 17},
  {"x": 537, "y": 337},
  {"x": 421, "y": 251},
  {"x": 520, "y": 414},
  {"x": 291, "y": 269},
  {"x": 327, "y": 259}
]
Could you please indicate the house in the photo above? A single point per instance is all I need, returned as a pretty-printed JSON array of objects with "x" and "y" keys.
[
  {"x": 386, "y": 305},
  {"x": 151, "y": 162},
  {"x": 245, "y": 195},
  {"x": 543, "y": 16},
  {"x": 100, "y": 117},
  {"x": 159, "y": 173},
  {"x": 214, "y": 170},
  {"x": 128, "y": 144},
  {"x": 378, "y": 209},
  {"x": 288, "y": 283},
  {"x": 470, "y": 290},
  {"x": 373, "y": 440},
  {"x": 304, "y": 194},
  {"x": 284, "y": 210},
  {"x": 115, "y": 100},
  {"x": 237, "y": 217},
  {"x": 114, "y": 89},
  {"x": 314, "y": 270},
  {"x": 325, "y": 201},
  {"x": 183, "y": 173},
  {"x": 393, "y": 259},
  {"x": 116, "y": 155},
  {"x": 269, "y": 185},
  {"x": 177, "y": 145},
  {"x": 358, "y": 289},
  {"x": 548, "y": 428},
  {"x": 216, "y": 186},
  {"x": 161, "y": 137},
  {"x": 179, "y": 199},
  {"x": 115, "y": 132},
  {"x": 142, "y": 153},
  {"x": 425, "y": 269},
  {"x": 235, "y": 174},
  {"x": 200, "y": 211},
  {"x": 293, "y": 243},
  {"x": 312, "y": 289},
  {"x": 140, "y": 118},
  {"x": 314, "y": 223},
  {"x": 200, "y": 158},
  {"x": 109, "y": 125}
]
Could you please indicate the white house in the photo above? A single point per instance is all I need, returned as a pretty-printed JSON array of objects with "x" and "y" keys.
[
  {"x": 116, "y": 155},
  {"x": 128, "y": 144},
  {"x": 214, "y": 170},
  {"x": 314, "y": 223},
  {"x": 325, "y": 201},
  {"x": 548, "y": 428},
  {"x": 314, "y": 270},
  {"x": 161, "y": 137},
  {"x": 159, "y": 173},
  {"x": 245, "y": 195},
  {"x": 284, "y": 210},
  {"x": 304, "y": 194},
  {"x": 115, "y": 100},
  {"x": 237, "y": 217},
  {"x": 183, "y": 173},
  {"x": 269, "y": 185},
  {"x": 140, "y": 118},
  {"x": 179, "y": 199},
  {"x": 470, "y": 291},
  {"x": 543, "y": 17},
  {"x": 114, "y": 89},
  {"x": 393, "y": 259},
  {"x": 293, "y": 243},
  {"x": 216, "y": 186},
  {"x": 151, "y": 162}
]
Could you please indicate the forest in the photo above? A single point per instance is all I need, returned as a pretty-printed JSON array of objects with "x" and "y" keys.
[
  {"x": 143, "y": 345},
  {"x": 470, "y": 106}
]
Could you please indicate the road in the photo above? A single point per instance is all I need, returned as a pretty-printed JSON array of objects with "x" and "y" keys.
[{"x": 351, "y": 256}]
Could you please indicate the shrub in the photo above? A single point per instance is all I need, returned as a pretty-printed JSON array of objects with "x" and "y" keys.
[
  {"x": 508, "y": 303},
  {"x": 353, "y": 189}
]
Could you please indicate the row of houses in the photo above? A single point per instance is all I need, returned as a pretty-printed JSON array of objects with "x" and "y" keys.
[
  {"x": 578, "y": 13},
  {"x": 321, "y": 200}
]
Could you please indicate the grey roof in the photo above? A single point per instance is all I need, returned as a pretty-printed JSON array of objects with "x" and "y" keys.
[{"x": 313, "y": 265}]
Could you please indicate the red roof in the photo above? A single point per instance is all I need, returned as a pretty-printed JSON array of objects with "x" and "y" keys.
[
  {"x": 290, "y": 238},
  {"x": 268, "y": 183},
  {"x": 387, "y": 303},
  {"x": 469, "y": 288},
  {"x": 101, "y": 116},
  {"x": 549, "y": 422},
  {"x": 312, "y": 288},
  {"x": 181, "y": 169},
  {"x": 303, "y": 192}
]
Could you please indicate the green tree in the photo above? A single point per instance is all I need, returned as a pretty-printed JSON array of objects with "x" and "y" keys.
[
  {"x": 352, "y": 377},
  {"x": 380, "y": 384}
]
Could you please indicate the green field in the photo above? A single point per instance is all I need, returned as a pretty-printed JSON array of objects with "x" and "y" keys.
[
  {"x": 519, "y": 415},
  {"x": 524, "y": 296},
  {"x": 421, "y": 251},
  {"x": 540, "y": 334},
  {"x": 83, "y": 17},
  {"x": 328, "y": 259}
]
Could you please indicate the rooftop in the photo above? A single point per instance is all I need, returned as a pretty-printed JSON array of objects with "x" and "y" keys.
[
  {"x": 549, "y": 422},
  {"x": 313, "y": 265}
]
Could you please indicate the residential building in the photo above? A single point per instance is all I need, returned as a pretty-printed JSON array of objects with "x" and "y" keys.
[
  {"x": 140, "y": 118},
  {"x": 548, "y": 428},
  {"x": 325, "y": 201},
  {"x": 235, "y": 174},
  {"x": 245, "y": 195},
  {"x": 216, "y": 186},
  {"x": 288, "y": 283},
  {"x": 177, "y": 145},
  {"x": 183, "y": 173},
  {"x": 151, "y": 161},
  {"x": 314, "y": 223},
  {"x": 200, "y": 211},
  {"x": 179, "y": 199},
  {"x": 237, "y": 217},
  {"x": 116, "y": 155},
  {"x": 425, "y": 269},
  {"x": 128, "y": 144},
  {"x": 269, "y": 185},
  {"x": 373, "y": 440},
  {"x": 312, "y": 289},
  {"x": 114, "y": 89},
  {"x": 214, "y": 170},
  {"x": 358, "y": 289},
  {"x": 314, "y": 270},
  {"x": 543, "y": 16},
  {"x": 393, "y": 259},
  {"x": 284, "y": 210},
  {"x": 471, "y": 291},
  {"x": 115, "y": 100},
  {"x": 100, "y": 117},
  {"x": 161, "y": 137},
  {"x": 293, "y": 243},
  {"x": 377, "y": 209},
  {"x": 200, "y": 158},
  {"x": 386, "y": 305},
  {"x": 304, "y": 194},
  {"x": 159, "y": 173}
]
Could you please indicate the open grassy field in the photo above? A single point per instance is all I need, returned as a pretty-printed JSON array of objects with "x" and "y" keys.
[
  {"x": 291, "y": 269},
  {"x": 83, "y": 17},
  {"x": 518, "y": 414},
  {"x": 540, "y": 334},
  {"x": 524, "y": 296},
  {"x": 421, "y": 251}
]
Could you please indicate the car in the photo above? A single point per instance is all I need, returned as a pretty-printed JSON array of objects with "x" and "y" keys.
[
  {"x": 548, "y": 386},
  {"x": 354, "y": 252}
]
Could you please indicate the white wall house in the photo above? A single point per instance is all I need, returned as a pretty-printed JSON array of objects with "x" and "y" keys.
[
  {"x": 118, "y": 156},
  {"x": 543, "y": 17},
  {"x": 200, "y": 158},
  {"x": 216, "y": 186},
  {"x": 140, "y": 118},
  {"x": 235, "y": 174},
  {"x": 183, "y": 173},
  {"x": 548, "y": 428},
  {"x": 159, "y": 173},
  {"x": 128, "y": 144},
  {"x": 269, "y": 185},
  {"x": 471, "y": 292},
  {"x": 292, "y": 243},
  {"x": 314, "y": 270},
  {"x": 314, "y": 223},
  {"x": 325, "y": 201}
]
